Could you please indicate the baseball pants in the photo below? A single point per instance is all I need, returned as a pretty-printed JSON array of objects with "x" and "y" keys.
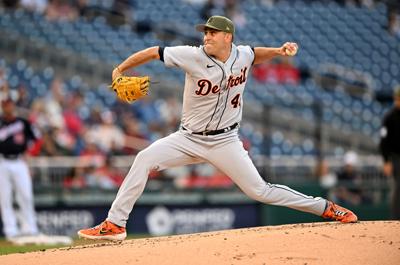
[
  {"x": 225, "y": 152},
  {"x": 16, "y": 180}
]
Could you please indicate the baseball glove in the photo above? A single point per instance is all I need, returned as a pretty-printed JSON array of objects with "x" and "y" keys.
[{"x": 131, "y": 88}]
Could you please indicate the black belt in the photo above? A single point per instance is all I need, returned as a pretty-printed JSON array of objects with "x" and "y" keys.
[
  {"x": 10, "y": 156},
  {"x": 215, "y": 132}
]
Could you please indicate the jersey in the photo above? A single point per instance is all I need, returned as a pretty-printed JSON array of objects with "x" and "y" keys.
[
  {"x": 15, "y": 135},
  {"x": 213, "y": 92}
]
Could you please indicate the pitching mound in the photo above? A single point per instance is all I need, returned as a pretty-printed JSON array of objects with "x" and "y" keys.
[{"x": 376, "y": 242}]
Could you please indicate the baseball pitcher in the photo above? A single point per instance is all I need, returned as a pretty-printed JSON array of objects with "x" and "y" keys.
[{"x": 216, "y": 75}]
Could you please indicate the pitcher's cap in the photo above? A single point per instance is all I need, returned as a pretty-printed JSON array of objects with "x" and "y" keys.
[{"x": 218, "y": 23}]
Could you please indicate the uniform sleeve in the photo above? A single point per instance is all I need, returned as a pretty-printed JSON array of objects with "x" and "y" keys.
[
  {"x": 248, "y": 52},
  {"x": 180, "y": 56}
]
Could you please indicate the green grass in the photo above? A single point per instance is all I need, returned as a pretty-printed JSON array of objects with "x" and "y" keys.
[{"x": 8, "y": 248}]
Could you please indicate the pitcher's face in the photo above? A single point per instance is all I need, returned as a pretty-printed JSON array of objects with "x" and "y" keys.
[{"x": 216, "y": 42}]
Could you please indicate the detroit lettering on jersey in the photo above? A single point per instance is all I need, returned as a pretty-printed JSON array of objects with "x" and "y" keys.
[
  {"x": 213, "y": 92},
  {"x": 205, "y": 85}
]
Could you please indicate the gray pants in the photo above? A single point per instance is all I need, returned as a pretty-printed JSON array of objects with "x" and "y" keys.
[{"x": 225, "y": 152}]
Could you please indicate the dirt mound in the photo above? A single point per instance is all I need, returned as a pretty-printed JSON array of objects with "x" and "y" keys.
[{"x": 373, "y": 242}]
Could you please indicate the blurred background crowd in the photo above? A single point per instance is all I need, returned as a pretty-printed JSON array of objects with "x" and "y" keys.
[{"x": 315, "y": 117}]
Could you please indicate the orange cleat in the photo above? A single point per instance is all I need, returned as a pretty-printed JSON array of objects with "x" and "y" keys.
[
  {"x": 104, "y": 231},
  {"x": 338, "y": 213}
]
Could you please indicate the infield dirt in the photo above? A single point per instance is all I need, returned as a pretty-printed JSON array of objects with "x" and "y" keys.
[{"x": 372, "y": 242}]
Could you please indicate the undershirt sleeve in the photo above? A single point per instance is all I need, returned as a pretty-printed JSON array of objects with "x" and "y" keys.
[{"x": 161, "y": 53}]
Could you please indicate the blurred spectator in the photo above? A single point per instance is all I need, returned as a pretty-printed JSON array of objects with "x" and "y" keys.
[
  {"x": 64, "y": 141},
  {"x": 104, "y": 177},
  {"x": 135, "y": 140},
  {"x": 278, "y": 71},
  {"x": 91, "y": 155},
  {"x": 94, "y": 169},
  {"x": 54, "y": 102},
  {"x": 23, "y": 100},
  {"x": 38, "y": 114},
  {"x": 50, "y": 115},
  {"x": 390, "y": 150},
  {"x": 234, "y": 12},
  {"x": 49, "y": 146},
  {"x": 61, "y": 10},
  {"x": 90, "y": 158},
  {"x": 37, "y": 6},
  {"x": 228, "y": 8},
  {"x": 95, "y": 116},
  {"x": 219, "y": 180},
  {"x": 74, "y": 182},
  {"x": 327, "y": 179},
  {"x": 82, "y": 7},
  {"x": 393, "y": 17},
  {"x": 268, "y": 3},
  {"x": 121, "y": 13},
  {"x": 208, "y": 9},
  {"x": 57, "y": 142},
  {"x": 106, "y": 135},
  {"x": 349, "y": 186},
  {"x": 204, "y": 176},
  {"x": 72, "y": 120},
  {"x": 4, "y": 87},
  {"x": 170, "y": 110}
]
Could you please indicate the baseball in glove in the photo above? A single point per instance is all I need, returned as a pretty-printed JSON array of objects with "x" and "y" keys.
[{"x": 131, "y": 88}]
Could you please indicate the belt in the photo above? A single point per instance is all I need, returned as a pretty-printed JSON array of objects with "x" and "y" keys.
[
  {"x": 10, "y": 156},
  {"x": 215, "y": 132}
]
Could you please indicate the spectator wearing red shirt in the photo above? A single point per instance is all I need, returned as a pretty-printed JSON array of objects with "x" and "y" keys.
[{"x": 277, "y": 72}]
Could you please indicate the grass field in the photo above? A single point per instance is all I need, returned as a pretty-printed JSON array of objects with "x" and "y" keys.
[{"x": 8, "y": 248}]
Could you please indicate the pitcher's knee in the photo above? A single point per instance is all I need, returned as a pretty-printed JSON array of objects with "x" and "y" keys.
[
  {"x": 141, "y": 156},
  {"x": 257, "y": 193},
  {"x": 146, "y": 158}
]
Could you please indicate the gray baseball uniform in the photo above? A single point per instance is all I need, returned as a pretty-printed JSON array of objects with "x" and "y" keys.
[{"x": 212, "y": 111}]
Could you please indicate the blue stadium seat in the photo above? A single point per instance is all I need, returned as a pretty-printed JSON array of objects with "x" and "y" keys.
[{"x": 352, "y": 37}]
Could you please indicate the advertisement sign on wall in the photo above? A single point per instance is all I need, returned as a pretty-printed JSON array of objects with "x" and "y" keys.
[{"x": 151, "y": 219}]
